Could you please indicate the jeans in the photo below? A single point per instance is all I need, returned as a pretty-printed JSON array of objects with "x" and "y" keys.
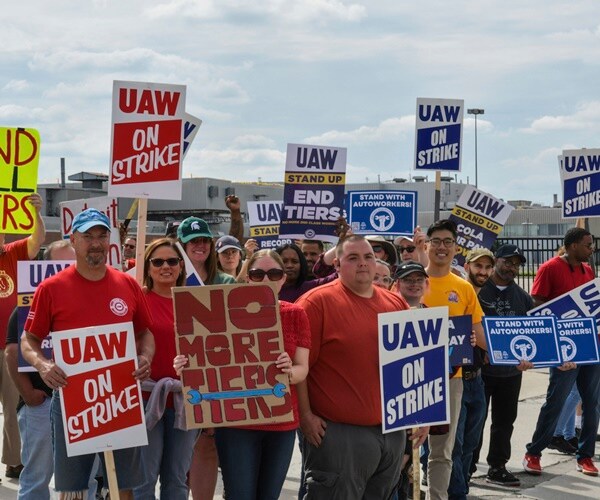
[
  {"x": 254, "y": 463},
  {"x": 168, "y": 456},
  {"x": 587, "y": 378},
  {"x": 565, "y": 426},
  {"x": 36, "y": 451},
  {"x": 468, "y": 431}
]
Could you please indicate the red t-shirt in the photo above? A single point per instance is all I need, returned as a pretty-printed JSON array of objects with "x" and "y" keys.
[
  {"x": 343, "y": 380},
  {"x": 556, "y": 277},
  {"x": 13, "y": 252},
  {"x": 67, "y": 300}
]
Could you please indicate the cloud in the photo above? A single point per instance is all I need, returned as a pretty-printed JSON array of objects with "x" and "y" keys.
[
  {"x": 586, "y": 116},
  {"x": 16, "y": 85},
  {"x": 387, "y": 130}
]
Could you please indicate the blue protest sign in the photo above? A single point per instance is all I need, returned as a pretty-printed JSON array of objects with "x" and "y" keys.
[
  {"x": 264, "y": 218},
  {"x": 512, "y": 339},
  {"x": 438, "y": 138},
  {"x": 578, "y": 340},
  {"x": 313, "y": 196},
  {"x": 391, "y": 213},
  {"x": 581, "y": 302},
  {"x": 459, "y": 333},
  {"x": 413, "y": 362},
  {"x": 580, "y": 178},
  {"x": 479, "y": 218}
]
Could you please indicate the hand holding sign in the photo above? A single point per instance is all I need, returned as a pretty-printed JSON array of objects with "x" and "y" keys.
[{"x": 52, "y": 375}]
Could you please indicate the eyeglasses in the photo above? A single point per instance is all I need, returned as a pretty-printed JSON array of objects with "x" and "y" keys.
[
  {"x": 437, "y": 242},
  {"x": 413, "y": 281},
  {"x": 386, "y": 280},
  {"x": 377, "y": 248},
  {"x": 514, "y": 264},
  {"x": 128, "y": 246},
  {"x": 259, "y": 274},
  {"x": 409, "y": 249},
  {"x": 171, "y": 261}
]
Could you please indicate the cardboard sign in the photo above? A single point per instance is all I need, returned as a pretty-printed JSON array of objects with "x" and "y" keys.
[
  {"x": 191, "y": 125},
  {"x": 461, "y": 350},
  {"x": 30, "y": 273},
  {"x": 580, "y": 180},
  {"x": 108, "y": 206},
  {"x": 392, "y": 213},
  {"x": 578, "y": 340},
  {"x": 438, "y": 138},
  {"x": 147, "y": 140},
  {"x": 264, "y": 218},
  {"x": 19, "y": 158},
  {"x": 413, "y": 368},
  {"x": 479, "y": 218},
  {"x": 516, "y": 338},
  {"x": 581, "y": 302},
  {"x": 232, "y": 337},
  {"x": 313, "y": 196},
  {"x": 101, "y": 404}
]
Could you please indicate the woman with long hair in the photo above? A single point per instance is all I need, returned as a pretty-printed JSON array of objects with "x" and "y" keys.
[
  {"x": 169, "y": 452},
  {"x": 255, "y": 459}
]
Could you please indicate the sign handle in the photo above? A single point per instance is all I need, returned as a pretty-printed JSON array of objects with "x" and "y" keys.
[
  {"x": 437, "y": 196},
  {"x": 141, "y": 240},
  {"x": 416, "y": 470},
  {"x": 111, "y": 474}
]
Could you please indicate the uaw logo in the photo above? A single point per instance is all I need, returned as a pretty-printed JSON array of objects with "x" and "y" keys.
[
  {"x": 568, "y": 349},
  {"x": 382, "y": 219},
  {"x": 118, "y": 306},
  {"x": 310, "y": 234},
  {"x": 7, "y": 285},
  {"x": 523, "y": 347}
]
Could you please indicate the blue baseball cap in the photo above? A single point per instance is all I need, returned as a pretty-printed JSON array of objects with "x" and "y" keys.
[{"x": 88, "y": 219}]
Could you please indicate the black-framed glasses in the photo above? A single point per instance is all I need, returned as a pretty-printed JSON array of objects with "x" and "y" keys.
[
  {"x": 274, "y": 274},
  {"x": 413, "y": 281},
  {"x": 437, "y": 242},
  {"x": 409, "y": 249},
  {"x": 171, "y": 261}
]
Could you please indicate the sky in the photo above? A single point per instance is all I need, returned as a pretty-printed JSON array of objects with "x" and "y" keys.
[{"x": 261, "y": 74}]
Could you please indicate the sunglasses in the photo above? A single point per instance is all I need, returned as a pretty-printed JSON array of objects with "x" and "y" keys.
[
  {"x": 259, "y": 274},
  {"x": 377, "y": 248},
  {"x": 410, "y": 249},
  {"x": 172, "y": 261},
  {"x": 128, "y": 246}
]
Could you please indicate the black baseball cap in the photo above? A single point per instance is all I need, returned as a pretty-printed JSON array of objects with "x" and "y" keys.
[
  {"x": 508, "y": 251},
  {"x": 409, "y": 267}
]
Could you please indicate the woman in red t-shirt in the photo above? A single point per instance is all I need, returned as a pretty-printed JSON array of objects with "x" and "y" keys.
[
  {"x": 255, "y": 459},
  {"x": 169, "y": 451}
]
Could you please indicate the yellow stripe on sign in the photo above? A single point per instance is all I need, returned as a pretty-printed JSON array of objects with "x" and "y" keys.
[
  {"x": 477, "y": 219},
  {"x": 24, "y": 299},
  {"x": 264, "y": 231},
  {"x": 322, "y": 179}
]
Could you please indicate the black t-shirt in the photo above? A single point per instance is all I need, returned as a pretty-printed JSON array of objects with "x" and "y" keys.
[
  {"x": 12, "y": 337},
  {"x": 511, "y": 301}
]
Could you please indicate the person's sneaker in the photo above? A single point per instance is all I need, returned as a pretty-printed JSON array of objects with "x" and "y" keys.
[
  {"x": 502, "y": 477},
  {"x": 13, "y": 471},
  {"x": 559, "y": 443},
  {"x": 586, "y": 466},
  {"x": 531, "y": 464}
]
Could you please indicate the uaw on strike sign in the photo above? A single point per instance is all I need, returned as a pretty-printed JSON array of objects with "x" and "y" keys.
[
  {"x": 147, "y": 140},
  {"x": 101, "y": 404}
]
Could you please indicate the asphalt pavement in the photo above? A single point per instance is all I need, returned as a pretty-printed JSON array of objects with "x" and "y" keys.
[{"x": 559, "y": 480}]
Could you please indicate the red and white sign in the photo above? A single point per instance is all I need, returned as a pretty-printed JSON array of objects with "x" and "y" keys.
[
  {"x": 102, "y": 406},
  {"x": 147, "y": 140},
  {"x": 109, "y": 207}
]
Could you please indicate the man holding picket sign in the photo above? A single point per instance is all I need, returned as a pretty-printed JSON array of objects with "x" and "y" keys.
[
  {"x": 87, "y": 294},
  {"x": 555, "y": 277}
]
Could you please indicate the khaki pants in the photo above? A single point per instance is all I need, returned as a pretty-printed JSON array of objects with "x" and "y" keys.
[
  {"x": 9, "y": 396},
  {"x": 439, "y": 464}
]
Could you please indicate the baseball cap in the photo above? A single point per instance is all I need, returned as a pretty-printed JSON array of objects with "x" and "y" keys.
[
  {"x": 477, "y": 253},
  {"x": 409, "y": 267},
  {"x": 399, "y": 239},
  {"x": 88, "y": 219},
  {"x": 193, "y": 227},
  {"x": 226, "y": 242},
  {"x": 507, "y": 251}
]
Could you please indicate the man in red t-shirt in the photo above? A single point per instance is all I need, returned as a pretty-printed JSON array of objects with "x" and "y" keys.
[
  {"x": 87, "y": 294},
  {"x": 10, "y": 253},
  {"x": 345, "y": 453}
]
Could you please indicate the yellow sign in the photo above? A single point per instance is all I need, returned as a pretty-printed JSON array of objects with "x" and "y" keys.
[{"x": 19, "y": 158}]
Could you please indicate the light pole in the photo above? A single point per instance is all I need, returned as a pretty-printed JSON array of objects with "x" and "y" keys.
[{"x": 475, "y": 111}]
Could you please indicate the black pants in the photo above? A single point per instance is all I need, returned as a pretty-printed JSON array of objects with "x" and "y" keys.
[{"x": 504, "y": 395}]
